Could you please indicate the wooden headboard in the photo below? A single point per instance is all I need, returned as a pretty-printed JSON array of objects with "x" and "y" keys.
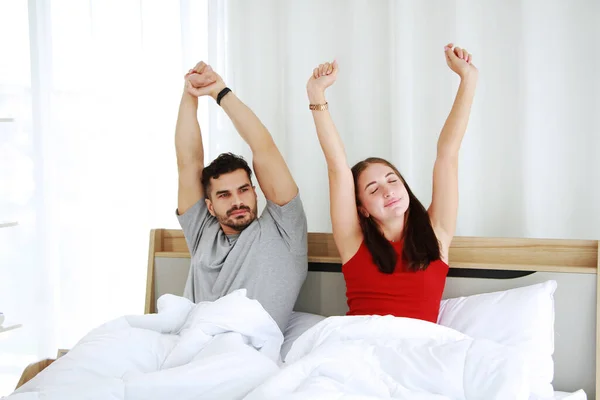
[
  {"x": 510, "y": 254},
  {"x": 565, "y": 257}
]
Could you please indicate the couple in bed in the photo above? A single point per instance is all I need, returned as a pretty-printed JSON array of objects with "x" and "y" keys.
[{"x": 394, "y": 251}]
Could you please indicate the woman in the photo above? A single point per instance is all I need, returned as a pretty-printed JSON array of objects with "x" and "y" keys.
[{"x": 394, "y": 251}]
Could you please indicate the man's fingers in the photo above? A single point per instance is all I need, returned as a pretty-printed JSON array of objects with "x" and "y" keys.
[
  {"x": 200, "y": 80},
  {"x": 192, "y": 90},
  {"x": 199, "y": 68}
]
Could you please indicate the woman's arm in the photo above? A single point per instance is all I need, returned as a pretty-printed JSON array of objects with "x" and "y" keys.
[
  {"x": 344, "y": 215},
  {"x": 444, "y": 206}
]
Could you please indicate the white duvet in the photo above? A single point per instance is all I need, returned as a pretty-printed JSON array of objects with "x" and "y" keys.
[
  {"x": 375, "y": 357},
  {"x": 229, "y": 349},
  {"x": 218, "y": 350}
]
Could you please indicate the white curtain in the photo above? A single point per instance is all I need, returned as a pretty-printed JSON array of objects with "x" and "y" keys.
[
  {"x": 528, "y": 164},
  {"x": 89, "y": 92},
  {"x": 88, "y": 99}
]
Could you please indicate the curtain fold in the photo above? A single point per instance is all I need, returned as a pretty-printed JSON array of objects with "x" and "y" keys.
[
  {"x": 87, "y": 164},
  {"x": 527, "y": 164}
]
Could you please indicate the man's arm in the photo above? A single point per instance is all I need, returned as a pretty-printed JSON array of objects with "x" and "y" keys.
[
  {"x": 190, "y": 154},
  {"x": 188, "y": 143},
  {"x": 270, "y": 168},
  {"x": 272, "y": 173}
]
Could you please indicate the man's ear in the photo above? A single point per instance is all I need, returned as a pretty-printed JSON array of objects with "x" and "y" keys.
[{"x": 211, "y": 208}]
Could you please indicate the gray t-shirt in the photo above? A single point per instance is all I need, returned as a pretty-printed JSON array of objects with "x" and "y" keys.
[{"x": 268, "y": 258}]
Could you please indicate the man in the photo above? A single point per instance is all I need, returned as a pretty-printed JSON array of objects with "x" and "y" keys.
[{"x": 230, "y": 246}]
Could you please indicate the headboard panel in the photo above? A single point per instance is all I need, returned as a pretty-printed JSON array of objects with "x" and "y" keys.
[
  {"x": 540, "y": 255},
  {"x": 502, "y": 262}
]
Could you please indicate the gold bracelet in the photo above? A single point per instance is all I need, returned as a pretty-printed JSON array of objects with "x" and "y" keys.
[{"x": 319, "y": 107}]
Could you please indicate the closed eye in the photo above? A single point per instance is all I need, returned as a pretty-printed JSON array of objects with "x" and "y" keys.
[{"x": 373, "y": 192}]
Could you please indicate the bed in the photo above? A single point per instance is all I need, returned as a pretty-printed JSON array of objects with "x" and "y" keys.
[{"x": 478, "y": 266}]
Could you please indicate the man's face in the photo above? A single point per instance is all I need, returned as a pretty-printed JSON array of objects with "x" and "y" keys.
[{"x": 232, "y": 200}]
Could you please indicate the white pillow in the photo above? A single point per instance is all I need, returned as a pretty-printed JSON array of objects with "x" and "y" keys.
[
  {"x": 299, "y": 323},
  {"x": 521, "y": 317}
]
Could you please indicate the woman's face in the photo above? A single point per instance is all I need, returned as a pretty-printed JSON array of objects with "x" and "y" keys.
[{"x": 381, "y": 193}]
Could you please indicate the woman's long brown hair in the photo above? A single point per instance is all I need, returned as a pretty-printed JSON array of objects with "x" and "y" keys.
[{"x": 421, "y": 246}]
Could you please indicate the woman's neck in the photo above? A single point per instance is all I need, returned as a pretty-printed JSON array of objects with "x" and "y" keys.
[{"x": 393, "y": 229}]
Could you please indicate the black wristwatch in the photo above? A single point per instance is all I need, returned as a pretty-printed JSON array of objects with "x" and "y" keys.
[{"x": 222, "y": 94}]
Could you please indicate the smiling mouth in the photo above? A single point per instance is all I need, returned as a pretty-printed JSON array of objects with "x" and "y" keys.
[{"x": 391, "y": 203}]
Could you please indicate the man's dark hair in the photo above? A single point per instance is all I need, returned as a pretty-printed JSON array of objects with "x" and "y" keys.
[{"x": 224, "y": 164}]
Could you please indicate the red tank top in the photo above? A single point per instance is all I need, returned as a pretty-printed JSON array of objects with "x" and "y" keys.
[{"x": 404, "y": 293}]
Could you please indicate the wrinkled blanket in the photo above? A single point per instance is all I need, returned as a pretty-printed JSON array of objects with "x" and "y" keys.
[
  {"x": 380, "y": 357},
  {"x": 212, "y": 350}
]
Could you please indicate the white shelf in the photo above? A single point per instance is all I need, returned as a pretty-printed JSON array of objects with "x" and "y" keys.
[
  {"x": 6, "y": 224},
  {"x": 6, "y": 119},
  {"x": 9, "y": 328}
]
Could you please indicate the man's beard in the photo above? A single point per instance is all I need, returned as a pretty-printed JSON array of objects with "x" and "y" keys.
[{"x": 238, "y": 222}]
